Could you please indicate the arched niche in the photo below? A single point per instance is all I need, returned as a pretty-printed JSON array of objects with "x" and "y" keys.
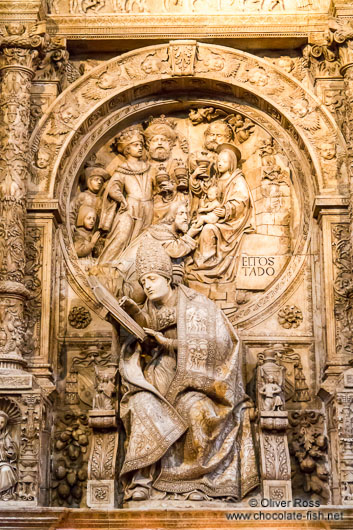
[{"x": 168, "y": 79}]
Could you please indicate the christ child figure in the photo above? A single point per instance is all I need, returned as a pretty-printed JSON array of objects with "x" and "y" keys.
[{"x": 207, "y": 207}]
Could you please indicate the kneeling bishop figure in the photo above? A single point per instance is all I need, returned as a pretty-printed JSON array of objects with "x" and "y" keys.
[{"x": 184, "y": 408}]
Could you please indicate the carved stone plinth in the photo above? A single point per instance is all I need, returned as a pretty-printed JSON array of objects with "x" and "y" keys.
[
  {"x": 102, "y": 419},
  {"x": 275, "y": 459},
  {"x": 102, "y": 486},
  {"x": 277, "y": 490},
  {"x": 100, "y": 494}
]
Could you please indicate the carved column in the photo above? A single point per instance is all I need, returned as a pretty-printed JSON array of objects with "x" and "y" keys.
[
  {"x": 346, "y": 63},
  {"x": 21, "y": 50}
]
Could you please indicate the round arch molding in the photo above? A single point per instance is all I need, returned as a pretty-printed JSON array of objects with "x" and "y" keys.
[{"x": 149, "y": 80}]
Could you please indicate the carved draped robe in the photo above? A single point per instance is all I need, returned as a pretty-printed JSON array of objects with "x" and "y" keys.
[
  {"x": 218, "y": 244},
  {"x": 8, "y": 456},
  {"x": 125, "y": 224},
  {"x": 199, "y": 428}
]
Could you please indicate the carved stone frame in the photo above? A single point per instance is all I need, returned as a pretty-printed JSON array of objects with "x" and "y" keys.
[{"x": 136, "y": 93}]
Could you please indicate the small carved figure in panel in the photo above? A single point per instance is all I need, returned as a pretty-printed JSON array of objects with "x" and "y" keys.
[
  {"x": 272, "y": 394},
  {"x": 8, "y": 461},
  {"x": 105, "y": 388}
]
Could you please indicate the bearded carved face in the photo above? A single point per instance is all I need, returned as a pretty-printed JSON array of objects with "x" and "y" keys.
[
  {"x": 159, "y": 147},
  {"x": 217, "y": 134},
  {"x": 181, "y": 220}
]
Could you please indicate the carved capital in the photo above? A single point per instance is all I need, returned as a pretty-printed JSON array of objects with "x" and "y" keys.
[
  {"x": 55, "y": 66},
  {"x": 23, "y": 45},
  {"x": 330, "y": 53}
]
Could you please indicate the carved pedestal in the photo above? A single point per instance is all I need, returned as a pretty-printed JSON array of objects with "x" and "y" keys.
[
  {"x": 29, "y": 427},
  {"x": 273, "y": 424},
  {"x": 102, "y": 483},
  {"x": 275, "y": 460}
]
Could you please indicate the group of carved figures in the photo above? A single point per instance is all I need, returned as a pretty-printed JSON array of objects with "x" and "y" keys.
[
  {"x": 183, "y": 405},
  {"x": 198, "y": 209}
]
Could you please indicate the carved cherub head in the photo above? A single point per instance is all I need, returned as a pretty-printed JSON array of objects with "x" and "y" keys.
[
  {"x": 214, "y": 62},
  {"x": 286, "y": 63},
  {"x": 300, "y": 107},
  {"x": 151, "y": 64},
  {"x": 42, "y": 159},
  {"x": 328, "y": 150},
  {"x": 15, "y": 28},
  {"x": 258, "y": 77}
]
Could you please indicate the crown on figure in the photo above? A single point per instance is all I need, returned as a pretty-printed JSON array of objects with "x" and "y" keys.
[
  {"x": 162, "y": 120},
  {"x": 163, "y": 126},
  {"x": 152, "y": 258},
  {"x": 128, "y": 136}
]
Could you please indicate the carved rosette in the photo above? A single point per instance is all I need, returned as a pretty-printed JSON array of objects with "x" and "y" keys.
[{"x": 21, "y": 49}]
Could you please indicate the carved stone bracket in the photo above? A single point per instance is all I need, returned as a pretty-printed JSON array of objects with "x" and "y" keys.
[
  {"x": 101, "y": 469},
  {"x": 273, "y": 424}
]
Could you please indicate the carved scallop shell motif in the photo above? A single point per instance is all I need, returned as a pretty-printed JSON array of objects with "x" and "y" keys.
[{"x": 11, "y": 409}]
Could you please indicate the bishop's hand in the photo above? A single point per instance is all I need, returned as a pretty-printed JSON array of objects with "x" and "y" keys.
[
  {"x": 160, "y": 338},
  {"x": 129, "y": 306}
]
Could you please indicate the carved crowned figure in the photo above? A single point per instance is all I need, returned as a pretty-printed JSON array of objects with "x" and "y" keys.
[
  {"x": 161, "y": 137},
  {"x": 185, "y": 414},
  {"x": 127, "y": 207}
]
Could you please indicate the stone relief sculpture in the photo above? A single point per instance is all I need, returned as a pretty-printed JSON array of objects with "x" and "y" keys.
[
  {"x": 271, "y": 392},
  {"x": 130, "y": 188},
  {"x": 86, "y": 7},
  {"x": 194, "y": 160},
  {"x": 201, "y": 222},
  {"x": 220, "y": 240},
  {"x": 188, "y": 389},
  {"x": 8, "y": 460}
]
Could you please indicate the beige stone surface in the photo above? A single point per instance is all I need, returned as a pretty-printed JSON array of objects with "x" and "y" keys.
[{"x": 176, "y": 264}]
